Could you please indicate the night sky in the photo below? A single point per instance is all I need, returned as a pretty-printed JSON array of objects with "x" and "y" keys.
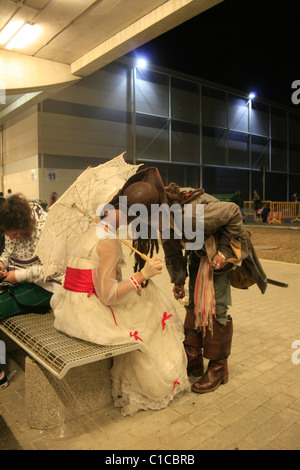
[{"x": 246, "y": 45}]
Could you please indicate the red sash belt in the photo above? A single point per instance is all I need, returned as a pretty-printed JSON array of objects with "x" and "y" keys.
[{"x": 79, "y": 280}]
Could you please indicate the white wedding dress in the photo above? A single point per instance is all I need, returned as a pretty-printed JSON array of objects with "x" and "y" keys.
[{"x": 115, "y": 314}]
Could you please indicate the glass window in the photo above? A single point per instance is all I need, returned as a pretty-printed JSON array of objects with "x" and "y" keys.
[
  {"x": 214, "y": 143},
  {"x": 278, "y": 156},
  {"x": 259, "y": 119},
  {"x": 238, "y": 149},
  {"x": 185, "y": 142},
  {"x": 193, "y": 176},
  {"x": 294, "y": 128},
  {"x": 294, "y": 153},
  {"x": 278, "y": 124},
  {"x": 276, "y": 187},
  {"x": 184, "y": 100},
  {"x": 294, "y": 185},
  {"x": 105, "y": 88},
  {"x": 209, "y": 179},
  {"x": 237, "y": 113},
  {"x": 152, "y": 93},
  {"x": 259, "y": 152},
  {"x": 152, "y": 137},
  {"x": 213, "y": 107},
  {"x": 177, "y": 174},
  {"x": 226, "y": 181}
]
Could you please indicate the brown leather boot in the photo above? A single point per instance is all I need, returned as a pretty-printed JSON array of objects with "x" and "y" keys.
[
  {"x": 193, "y": 345},
  {"x": 195, "y": 361},
  {"x": 217, "y": 347}
]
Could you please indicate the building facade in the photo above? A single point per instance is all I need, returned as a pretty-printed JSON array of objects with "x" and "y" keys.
[{"x": 195, "y": 132}]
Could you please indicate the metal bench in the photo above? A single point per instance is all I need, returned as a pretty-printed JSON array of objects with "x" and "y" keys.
[
  {"x": 54, "y": 350},
  {"x": 53, "y": 396}
]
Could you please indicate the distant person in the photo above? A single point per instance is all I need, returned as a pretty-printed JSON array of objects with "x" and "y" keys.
[
  {"x": 22, "y": 223},
  {"x": 2, "y": 239},
  {"x": 295, "y": 197},
  {"x": 237, "y": 198},
  {"x": 53, "y": 199},
  {"x": 262, "y": 213},
  {"x": 9, "y": 193},
  {"x": 256, "y": 200}
]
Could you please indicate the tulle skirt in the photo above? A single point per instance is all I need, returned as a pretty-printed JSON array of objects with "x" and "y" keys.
[{"x": 140, "y": 381}]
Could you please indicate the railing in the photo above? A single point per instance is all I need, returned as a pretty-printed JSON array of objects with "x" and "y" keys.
[{"x": 279, "y": 211}]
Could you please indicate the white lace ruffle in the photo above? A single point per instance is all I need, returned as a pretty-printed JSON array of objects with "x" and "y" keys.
[{"x": 131, "y": 402}]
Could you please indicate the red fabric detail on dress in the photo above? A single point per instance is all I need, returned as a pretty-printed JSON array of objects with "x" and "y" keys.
[
  {"x": 175, "y": 383},
  {"x": 79, "y": 280},
  {"x": 135, "y": 335},
  {"x": 165, "y": 317},
  {"x": 113, "y": 315}
]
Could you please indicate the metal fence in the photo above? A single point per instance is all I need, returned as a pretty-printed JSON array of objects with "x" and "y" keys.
[{"x": 279, "y": 211}]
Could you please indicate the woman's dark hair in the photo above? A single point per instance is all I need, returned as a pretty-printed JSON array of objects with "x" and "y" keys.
[
  {"x": 16, "y": 214},
  {"x": 174, "y": 195},
  {"x": 146, "y": 247}
]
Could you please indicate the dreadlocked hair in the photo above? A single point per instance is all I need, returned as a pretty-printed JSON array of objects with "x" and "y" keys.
[
  {"x": 176, "y": 196},
  {"x": 146, "y": 247}
]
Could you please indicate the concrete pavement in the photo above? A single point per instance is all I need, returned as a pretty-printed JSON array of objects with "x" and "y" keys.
[{"x": 259, "y": 408}]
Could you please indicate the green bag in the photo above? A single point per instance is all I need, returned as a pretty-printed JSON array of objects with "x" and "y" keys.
[{"x": 16, "y": 299}]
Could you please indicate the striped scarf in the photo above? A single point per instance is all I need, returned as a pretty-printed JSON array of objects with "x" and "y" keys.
[{"x": 204, "y": 297}]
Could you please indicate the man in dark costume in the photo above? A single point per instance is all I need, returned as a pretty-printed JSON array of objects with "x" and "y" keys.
[{"x": 226, "y": 258}]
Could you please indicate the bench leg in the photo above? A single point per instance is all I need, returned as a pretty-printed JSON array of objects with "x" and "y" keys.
[{"x": 51, "y": 401}]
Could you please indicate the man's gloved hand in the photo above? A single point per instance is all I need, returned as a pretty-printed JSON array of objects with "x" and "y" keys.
[
  {"x": 178, "y": 291},
  {"x": 218, "y": 262}
]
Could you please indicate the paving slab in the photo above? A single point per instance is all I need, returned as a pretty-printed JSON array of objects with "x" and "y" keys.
[{"x": 258, "y": 409}]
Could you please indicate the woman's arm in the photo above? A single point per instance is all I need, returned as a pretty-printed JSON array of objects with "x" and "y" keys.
[
  {"x": 109, "y": 289},
  {"x": 4, "y": 258}
]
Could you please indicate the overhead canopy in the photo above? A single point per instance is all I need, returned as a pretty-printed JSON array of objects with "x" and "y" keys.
[{"x": 77, "y": 37}]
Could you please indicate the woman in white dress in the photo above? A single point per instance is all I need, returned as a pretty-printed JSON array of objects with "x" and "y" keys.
[{"x": 96, "y": 305}]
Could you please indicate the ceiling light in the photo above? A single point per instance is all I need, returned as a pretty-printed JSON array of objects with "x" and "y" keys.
[
  {"x": 10, "y": 30},
  {"x": 141, "y": 63},
  {"x": 23, "y": 37}
]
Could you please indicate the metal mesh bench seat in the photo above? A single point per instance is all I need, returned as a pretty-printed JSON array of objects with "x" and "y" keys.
[{"x": 54, "y": 350}]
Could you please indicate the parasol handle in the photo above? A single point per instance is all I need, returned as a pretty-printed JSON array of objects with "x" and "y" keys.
[{"x": 142, "y": 255}]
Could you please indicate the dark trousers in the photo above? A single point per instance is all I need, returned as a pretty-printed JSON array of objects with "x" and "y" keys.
[{"x": 221, "y": 286}]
